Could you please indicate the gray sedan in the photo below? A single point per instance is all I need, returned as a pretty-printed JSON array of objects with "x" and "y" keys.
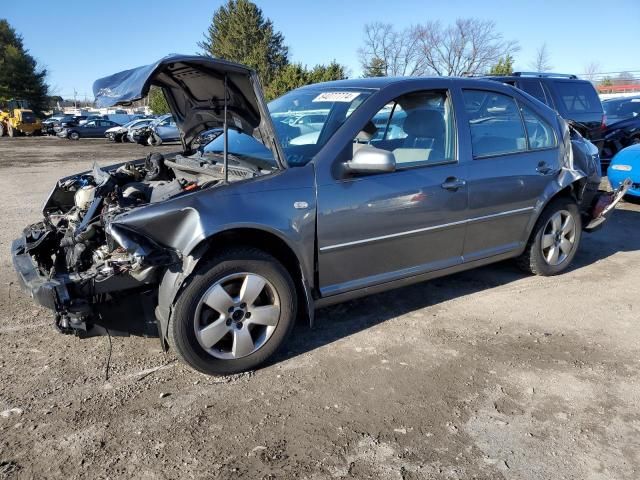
[{"x": 218, "y": 249}]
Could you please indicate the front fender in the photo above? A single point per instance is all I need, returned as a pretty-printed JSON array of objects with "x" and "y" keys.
[{"x": 282, "y": 204}]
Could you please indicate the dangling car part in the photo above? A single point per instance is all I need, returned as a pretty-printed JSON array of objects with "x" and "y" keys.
[{"x": 218, "y": 247}]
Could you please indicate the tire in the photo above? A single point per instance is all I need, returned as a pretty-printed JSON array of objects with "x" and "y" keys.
[
  {"x": 544, "y": 258},
  {"x": 1, "y": 129},
  {"x": 224, "y": 349},
  {"x": 111, "y": 137},
  {"x": 73, "y": 135},
  {"x": 10, "y": 130}
]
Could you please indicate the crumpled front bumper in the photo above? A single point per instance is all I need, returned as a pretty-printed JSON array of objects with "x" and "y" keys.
[{"x": 49, "y": 292}]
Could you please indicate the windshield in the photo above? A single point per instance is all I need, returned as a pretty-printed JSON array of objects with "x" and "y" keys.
[
  {"x": 304, "y": 120},
  {"x": 617, "y": 110}
]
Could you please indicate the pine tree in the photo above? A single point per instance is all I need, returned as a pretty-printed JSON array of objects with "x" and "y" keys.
[
  {"x": 375, "y": 68},
  {"x": 239, "y": 32},
  {"x": 20, "y": 77},
  {"x": 503, "y": 67},
  {"x": 157, "y": 102}
]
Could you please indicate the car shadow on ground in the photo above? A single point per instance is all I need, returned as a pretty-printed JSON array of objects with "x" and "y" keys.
[{"x": 620, "y": 234}]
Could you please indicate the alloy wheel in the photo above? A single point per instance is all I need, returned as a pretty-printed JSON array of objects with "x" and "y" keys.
[
  {"x": 237, "y": 315},
  {"x": 558, "y": 237}
]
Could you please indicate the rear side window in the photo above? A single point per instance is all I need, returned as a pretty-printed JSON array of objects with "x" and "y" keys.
[
  {"x": 539, "y": 132},
  {"x": 495, "y": 123},
  {"x": 578, "y": 97}
]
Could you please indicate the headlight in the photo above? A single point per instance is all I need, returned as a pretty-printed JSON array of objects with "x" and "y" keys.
[{"x": 622, "y": 168}]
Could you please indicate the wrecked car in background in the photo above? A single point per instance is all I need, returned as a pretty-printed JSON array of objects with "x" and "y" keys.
[
  {"x": 623, "y": 126},
  {"x": 163, "y": 129},
  {"x": 120, "y": 133},
  {"x": 217, "y": 249}
]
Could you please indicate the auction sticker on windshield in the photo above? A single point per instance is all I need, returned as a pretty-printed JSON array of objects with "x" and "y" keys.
[{"x": 336, "y": 97}]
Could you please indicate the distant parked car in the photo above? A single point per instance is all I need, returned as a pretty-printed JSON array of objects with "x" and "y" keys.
[
  {"x": 49, "y": 123},
  {"x": 91, "y": 117},
  {"x": 120, "y": 133},
  {"x": 623, "y": 126},
  {"x": 626, "y": 164},
  {"x": 92, "y": 129},
  {"x": 575, "y": 100},
  {"x": 163, "y": 129}
]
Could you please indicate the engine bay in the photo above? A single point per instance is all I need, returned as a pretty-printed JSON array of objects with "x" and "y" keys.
[{"x": 76, "y": 237}]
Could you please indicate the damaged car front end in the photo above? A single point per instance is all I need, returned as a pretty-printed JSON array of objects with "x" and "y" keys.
[
  {"x": 79, "y": 262},
  {"x": 85, "y": 260}
]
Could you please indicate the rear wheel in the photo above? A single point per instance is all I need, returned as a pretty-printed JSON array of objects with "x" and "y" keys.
[
  {"x": 554, "y": 240},
  {"x": 236, "y": 312},
  {"x": 74, "y": 135}
]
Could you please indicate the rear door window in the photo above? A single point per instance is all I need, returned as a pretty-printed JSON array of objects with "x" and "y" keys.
[
  {"x": 539, "y": 132},
  {"x": 577, "y": 97},
  {"x": 495, "y": 123}
]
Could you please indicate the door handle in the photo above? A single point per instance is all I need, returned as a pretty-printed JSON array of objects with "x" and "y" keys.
[
  {"x": 544, "y": 169},
  {"x": 453, "y": 184}
]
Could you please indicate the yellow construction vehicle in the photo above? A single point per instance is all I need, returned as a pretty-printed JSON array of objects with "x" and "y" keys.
[{"x": 19, "y": 119}]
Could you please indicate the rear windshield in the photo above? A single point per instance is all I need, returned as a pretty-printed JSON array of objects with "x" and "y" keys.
[{"x": 578, "y": 97}]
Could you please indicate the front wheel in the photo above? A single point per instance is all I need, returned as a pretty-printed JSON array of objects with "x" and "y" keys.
[
  {"x": 74, "y": 136},
  {"x": 237, "y": 310},
  {"x": 11, "y": 131},
  {"x": 554, "y": 240}
]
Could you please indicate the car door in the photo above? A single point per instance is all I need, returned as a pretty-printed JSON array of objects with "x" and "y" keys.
[
  {"x": 382, "y": 227},
  {"x": 89, "y": 129},
  {"x": 167, "y": 129},
  {"x": 514, "y": 158}
]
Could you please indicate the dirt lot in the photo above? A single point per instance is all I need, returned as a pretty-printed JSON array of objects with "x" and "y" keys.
[{"x": 488, "y": 374}]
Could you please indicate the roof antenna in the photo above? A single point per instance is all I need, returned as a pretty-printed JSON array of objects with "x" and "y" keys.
[{"x": 225, "y": 138}]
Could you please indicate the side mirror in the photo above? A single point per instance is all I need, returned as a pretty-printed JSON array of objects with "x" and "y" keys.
[{"x": 368, "y": 159}]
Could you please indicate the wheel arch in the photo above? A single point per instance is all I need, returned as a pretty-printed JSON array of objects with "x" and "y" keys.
[
  {"x": 174, "y": 282},
  {"x": 572, "y": 190}
]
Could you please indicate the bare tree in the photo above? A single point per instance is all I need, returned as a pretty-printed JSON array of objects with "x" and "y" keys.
[
  {"x": 591, "y": 70},
  {"x": 469, "y": 46},
  {"x": 541, "y": 63},
  {"x": 394, "y": 52}
]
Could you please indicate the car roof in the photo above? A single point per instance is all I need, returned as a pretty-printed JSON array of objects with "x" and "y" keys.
[{"x": 382, "y": 82}]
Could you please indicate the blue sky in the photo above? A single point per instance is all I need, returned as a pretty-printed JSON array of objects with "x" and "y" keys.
[{"x": 79, "y": 41}]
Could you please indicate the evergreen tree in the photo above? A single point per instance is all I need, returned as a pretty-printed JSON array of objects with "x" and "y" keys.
[
  {"x": 503, "y": 67},
  {"x": 375, "y": 68},
  {"x": 239, "y": 32},
  {"x": 20, "y": 77},
  {"x": 157, "y": 102}
]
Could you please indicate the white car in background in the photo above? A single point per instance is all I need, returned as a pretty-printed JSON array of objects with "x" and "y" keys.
[{"x": 120, "y": 133}]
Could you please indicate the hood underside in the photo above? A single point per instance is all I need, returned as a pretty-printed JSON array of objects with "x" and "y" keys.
[{"x": 195, "y": 90}]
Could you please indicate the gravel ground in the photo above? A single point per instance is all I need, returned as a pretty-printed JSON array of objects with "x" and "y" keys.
[{"x": 489, "y": 374}]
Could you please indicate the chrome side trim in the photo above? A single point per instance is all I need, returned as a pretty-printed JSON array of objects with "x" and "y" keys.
[{"x": 426, "y": 229}]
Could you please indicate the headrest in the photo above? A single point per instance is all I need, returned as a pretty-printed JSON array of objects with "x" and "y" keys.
[
  {"x": 424, "y": 124},
  {"x": 367, "y": 132}
]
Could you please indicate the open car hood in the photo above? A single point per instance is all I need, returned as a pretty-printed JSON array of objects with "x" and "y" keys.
[{"x": 194, "y": 88}]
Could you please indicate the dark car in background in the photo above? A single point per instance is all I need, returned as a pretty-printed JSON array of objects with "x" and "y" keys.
[
  {"x": 574, "y": 99},
  {"x": 91, "y": 129},
  {"x": 216, "y": 249},
  {"x": 623, "y": 126}
]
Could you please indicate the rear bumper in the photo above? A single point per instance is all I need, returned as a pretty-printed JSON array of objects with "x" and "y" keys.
[{"x": 50, "y": 293}]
